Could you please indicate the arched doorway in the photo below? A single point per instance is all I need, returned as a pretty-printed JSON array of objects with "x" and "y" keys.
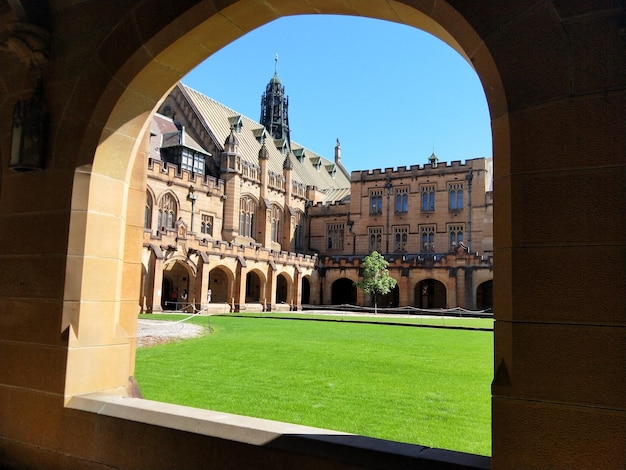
[
  {"x": 253, "y": 287},
  {"x": 175, "y": 292},
  {"x": 282, "y": 289},
  {"x": 220, "y": 284},
  {"x": 484, "y": 296},
  {"x": 430, "y": 293},
  {"x": 390, "y": 299},
  {"x": 306, "y": 291},
  {"x": 343, "y": 291}
]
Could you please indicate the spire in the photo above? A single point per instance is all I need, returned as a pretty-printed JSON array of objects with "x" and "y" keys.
[
  {"x": 263, "y": 152},
  {"x": 338, "y": 152},
  {"x": 231, "y": 144},
  {"x": 288, "y": 164},
  {"x": 274, "y": 108},
  {"x": 433, "y": 159}
]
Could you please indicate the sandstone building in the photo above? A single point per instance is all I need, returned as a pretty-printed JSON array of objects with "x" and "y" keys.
[
  {"x": 238, "y": 213},
  {"x": 79, "y": 83}
]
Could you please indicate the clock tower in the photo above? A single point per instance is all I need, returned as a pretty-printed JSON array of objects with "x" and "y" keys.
[{"x": 274, "y": 109}]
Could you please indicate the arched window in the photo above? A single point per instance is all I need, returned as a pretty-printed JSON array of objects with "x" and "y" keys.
[
  {"x": 276, "y": 216},
  {"x": 247, "y": 209},
  {"x": 455, "y": 196},
  {"x": 375, "y": 238},
  {"x": 206, "y": 225},
  {"x": 401, "y": 235},
  {"x": 455, "y": 235},
  {"x": 428, "y": 198},
  {"x": 376, "y": 202},
  {"x": 167, "y": 212},
  {"x": 147, "y": 218},
  {"x": 428, "y": 238},
  {"x": 402, "y": 200}
]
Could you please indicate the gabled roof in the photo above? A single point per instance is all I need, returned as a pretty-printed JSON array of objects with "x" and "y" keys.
[
  {"x": 219, "y": 118},
  {"x": 171, "y": 135}
]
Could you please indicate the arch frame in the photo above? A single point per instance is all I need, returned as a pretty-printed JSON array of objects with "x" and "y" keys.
[{"x": 125, "y": 88}]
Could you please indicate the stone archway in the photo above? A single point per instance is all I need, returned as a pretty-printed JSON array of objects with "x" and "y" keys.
[
  {"x": 390, "y": 299},
  {"x": 306, "y": 290},
  {"x": 282, "y": 289},
  {"x": 253, "y": 287},
  {"x": 134, "y": 84},
  {"x": 343, "y": 291},
  {"x": 484, "y": 296},
  {"x": 430, "y": 293},
  {"x": 536, "y": 96},
  {"x": 221, "y": 285}
]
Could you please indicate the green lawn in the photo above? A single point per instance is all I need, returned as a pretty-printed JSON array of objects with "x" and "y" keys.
[{"x": 427, "y": 386}]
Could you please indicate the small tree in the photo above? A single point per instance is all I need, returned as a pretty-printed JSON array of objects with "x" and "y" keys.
[{"x": 376, "y": 279}]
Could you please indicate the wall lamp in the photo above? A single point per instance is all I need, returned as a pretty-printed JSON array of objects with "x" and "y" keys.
[{"x": 28, "y": 139}]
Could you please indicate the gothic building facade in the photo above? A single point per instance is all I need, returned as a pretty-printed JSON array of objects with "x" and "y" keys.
[{"x": 240, "y": 217}]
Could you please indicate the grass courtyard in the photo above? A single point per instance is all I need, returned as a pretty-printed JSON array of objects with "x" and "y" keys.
[{"x": 427, "y": 386}]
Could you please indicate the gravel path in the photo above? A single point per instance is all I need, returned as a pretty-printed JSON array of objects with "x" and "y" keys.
[{"x": 151, "y": 332}]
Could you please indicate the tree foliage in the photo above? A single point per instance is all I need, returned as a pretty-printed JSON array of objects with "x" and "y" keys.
[{"x": 376, "y": 278}]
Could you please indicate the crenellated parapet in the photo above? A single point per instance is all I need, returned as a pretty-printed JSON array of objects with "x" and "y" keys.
[
  {"x": 333, "y": 208},
  {"x": 171, "y": 174},
  {"x": 415, "y": 171},
  {"x": 171, "y": 241},
  {"x": 452, "y": 260}
]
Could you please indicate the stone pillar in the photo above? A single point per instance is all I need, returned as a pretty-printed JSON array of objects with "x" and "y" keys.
[
  {"x": 295, "y": 292},
  {"x": 157, "y": 282},
  {"x": 460, "y": 289},
  {"x": 239, "y": 288},
  {"x": 452, "y": 288},
  {"x": 269, "y": 293},
  {"x": 202, "y": 281},
  {"x": 470, "y": 296},
  {"x": 403, "y": 286}
]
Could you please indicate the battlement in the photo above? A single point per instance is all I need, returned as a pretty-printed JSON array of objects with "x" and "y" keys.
[
  {"x": 407, "y": 260},
  {"x": 169, "y": 240},
  {"x": 160, "y": 169},
  {"x": 329, "y": 208},
  {"x": 415, "y": 171}
]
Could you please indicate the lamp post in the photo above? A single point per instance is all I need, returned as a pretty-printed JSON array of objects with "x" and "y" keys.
[
  {"x": 388, "y": 191},
  {"x": 192, "y": 197},
  {"x": 350, "y": 225}
]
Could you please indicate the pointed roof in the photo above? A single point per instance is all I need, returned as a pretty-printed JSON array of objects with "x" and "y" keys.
[
  {"x": 173, "y": 134},
  {"x": 215, "y": 116}
]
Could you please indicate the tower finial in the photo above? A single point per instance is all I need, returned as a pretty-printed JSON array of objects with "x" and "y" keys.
[{"x": 275, "y": 63}]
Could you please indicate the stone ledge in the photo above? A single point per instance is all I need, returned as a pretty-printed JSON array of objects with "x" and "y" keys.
[{"x": 321, "y": 443}]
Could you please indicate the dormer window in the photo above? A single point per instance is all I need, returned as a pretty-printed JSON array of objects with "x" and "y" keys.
[
  {"x": 236, "y": 123},
  {"x": 300, "y": 154},
  {"x": 317, "y": 163},
  {"x": 259, "y": 134}
]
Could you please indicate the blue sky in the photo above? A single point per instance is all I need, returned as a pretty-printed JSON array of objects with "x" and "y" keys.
[{"x": 390, "y": 93}]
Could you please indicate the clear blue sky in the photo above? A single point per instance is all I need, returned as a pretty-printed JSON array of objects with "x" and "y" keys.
[{"x": 389, "y": 92}]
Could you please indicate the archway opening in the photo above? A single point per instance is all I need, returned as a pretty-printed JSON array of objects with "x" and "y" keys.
[
  {"x": 253, "y": 287},
  {"x": 484, "y": 296},
  {"x": 282, "y": 289},
  {"x": 176, "y": 285},
  {"x": 220, "y": 283},
  {"x": 306, "y": 291},
  {"x": 254, "y": 282},
  {"x": 390, "y": 299},
  {"x": 430, "y": 293},
  {"x": 343, "y": 291}
]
